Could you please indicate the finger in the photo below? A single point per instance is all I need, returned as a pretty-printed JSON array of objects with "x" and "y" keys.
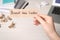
[
  {"x": 45, "y": 17},
  {"x": 36, "y": 22},
  {"x": 40, "y": 20}
]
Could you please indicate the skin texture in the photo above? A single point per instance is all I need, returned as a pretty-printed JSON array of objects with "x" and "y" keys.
[{"x": 48, "y": 25}]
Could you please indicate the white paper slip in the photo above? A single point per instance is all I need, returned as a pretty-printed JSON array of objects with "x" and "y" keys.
[{"x": 23, "y": 12}]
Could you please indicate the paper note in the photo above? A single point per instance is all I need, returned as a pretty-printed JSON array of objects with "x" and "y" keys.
[{"x": 23, "y": 12}]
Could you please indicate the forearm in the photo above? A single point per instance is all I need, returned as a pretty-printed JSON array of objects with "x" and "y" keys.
[{"x": 54, "y": 36}]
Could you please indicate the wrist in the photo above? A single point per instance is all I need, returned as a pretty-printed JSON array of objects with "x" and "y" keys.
[{"x": 54, "y": 36}]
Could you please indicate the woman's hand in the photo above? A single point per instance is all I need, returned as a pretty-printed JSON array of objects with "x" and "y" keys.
[
  {"x": 48, "y": 25},
  {"x": 46, "y": 21}
]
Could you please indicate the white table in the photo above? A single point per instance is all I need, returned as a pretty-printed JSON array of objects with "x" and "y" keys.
[{"x": 25, "y": 30}]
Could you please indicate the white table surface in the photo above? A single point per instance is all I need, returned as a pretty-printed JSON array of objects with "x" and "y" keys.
[{"x": 25, "y": 30}]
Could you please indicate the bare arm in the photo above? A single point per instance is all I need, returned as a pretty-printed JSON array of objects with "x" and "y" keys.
[{"x": 48, "y": 25}]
